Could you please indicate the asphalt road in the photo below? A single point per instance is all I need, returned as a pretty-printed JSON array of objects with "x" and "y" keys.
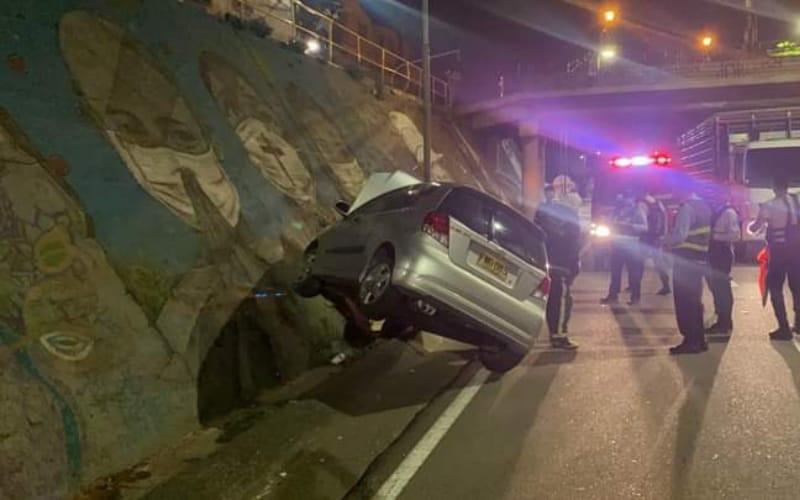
[{"x": 621, "y": 418}]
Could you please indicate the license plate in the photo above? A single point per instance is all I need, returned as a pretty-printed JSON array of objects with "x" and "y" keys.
[{"x": 494, "y": 266}]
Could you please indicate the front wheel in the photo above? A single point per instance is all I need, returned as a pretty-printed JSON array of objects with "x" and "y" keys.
[
  {"x": 500, "y": 360},
  {"x": 376, "y": 296}
]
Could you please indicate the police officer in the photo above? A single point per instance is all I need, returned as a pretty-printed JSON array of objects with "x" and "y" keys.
[
  {"x": 780, "y": 216},
  {"x": 653, "y": 239},
  {"x": 561, "y": 226},
  {"x": 628, "y": 225},
  {"x": 690, "y": 239},
  {"x": 725, "y": 230}
]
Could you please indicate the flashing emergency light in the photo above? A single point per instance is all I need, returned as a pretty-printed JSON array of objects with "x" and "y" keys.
[
  {"x": 658, "y": 159},
  {"x": 600, "y": 231}
]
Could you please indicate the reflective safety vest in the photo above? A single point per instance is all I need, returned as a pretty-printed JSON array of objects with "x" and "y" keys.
[
  {"x": 782, "y": 235},
  {"x": 699, "y": 238}
]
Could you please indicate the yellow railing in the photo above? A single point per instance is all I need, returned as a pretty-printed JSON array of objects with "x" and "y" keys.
[{"x": 341, "y": 46}]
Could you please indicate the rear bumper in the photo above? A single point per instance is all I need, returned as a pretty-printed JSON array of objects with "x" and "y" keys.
[{"x": 423, "y": 269}]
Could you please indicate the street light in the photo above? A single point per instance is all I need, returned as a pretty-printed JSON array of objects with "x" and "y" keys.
[
  {"x": 313, "y": 46},
  {"x": 707, "y": 41},
  {"x": 609, "y": 16},
  {"x": 608, "y": 54}
]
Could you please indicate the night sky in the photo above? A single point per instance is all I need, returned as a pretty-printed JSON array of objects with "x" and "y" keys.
[{"x": 525, "y": 38}]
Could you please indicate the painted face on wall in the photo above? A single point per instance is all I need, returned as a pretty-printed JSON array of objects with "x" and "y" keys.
[
  {"x": 335, "y": 152},
  {"x": 415, "y": 143},
  {"x": 253, "y": 120},
  {"x": 142, "y": 113}
]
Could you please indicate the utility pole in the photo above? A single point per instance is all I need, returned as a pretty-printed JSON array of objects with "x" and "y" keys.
[
  {"x": 751, "y": 28},
  {"x": 426, "y": 90}
]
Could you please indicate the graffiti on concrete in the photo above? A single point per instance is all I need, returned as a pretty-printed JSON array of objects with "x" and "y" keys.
[
  {"x": 64, "y": 313},
  {"x": 415, "y": 143},
  {"x": 328, "y": 140},
  {"x": 256, "y": 126},
  {"x": 242, "y": 156},
  {"x": 254, "y": 119},
  {"x": 144, "y": 116}
]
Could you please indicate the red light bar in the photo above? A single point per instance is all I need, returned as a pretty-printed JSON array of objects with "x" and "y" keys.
[{"x": 659, "y": 159}]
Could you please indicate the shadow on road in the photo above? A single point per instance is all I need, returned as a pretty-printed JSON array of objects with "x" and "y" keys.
[
  {"x": 390, "y": 377},
  {"x": 699, "y": 372},
  {"x": 792, "y": 359}
]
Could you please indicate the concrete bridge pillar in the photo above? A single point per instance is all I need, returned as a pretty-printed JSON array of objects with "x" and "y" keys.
[{"x": 533, "y": 166}]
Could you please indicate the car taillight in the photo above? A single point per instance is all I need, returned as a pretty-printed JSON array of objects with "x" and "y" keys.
[
  {"x": 437, "y": 225},
  {"x": 543, "y": 290}
]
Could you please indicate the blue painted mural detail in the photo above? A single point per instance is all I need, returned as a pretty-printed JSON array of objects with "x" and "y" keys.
[{"x": 155, "y": 164}]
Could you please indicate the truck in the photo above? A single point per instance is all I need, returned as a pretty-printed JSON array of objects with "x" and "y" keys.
[{"x": 743, "y": 150}]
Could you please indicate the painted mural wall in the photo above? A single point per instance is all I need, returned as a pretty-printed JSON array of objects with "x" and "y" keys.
[{"x": 155, "y": 166}]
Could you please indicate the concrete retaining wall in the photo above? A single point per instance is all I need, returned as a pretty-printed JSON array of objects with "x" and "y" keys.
[{"x": 157, "y": 166}]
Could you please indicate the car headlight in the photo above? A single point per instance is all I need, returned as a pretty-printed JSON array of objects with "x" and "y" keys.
[{"x": 601, "y": 231}]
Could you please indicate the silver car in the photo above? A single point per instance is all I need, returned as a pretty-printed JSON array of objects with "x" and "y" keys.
[{"x": 442, "y": 258}]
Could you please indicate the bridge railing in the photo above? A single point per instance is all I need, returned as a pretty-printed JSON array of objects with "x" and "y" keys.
[
  {"x": 624, "y": 73},
  {"x": 340, "y": 45}
]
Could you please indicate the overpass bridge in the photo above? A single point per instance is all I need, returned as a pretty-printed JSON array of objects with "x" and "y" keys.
[{"x": 625, "y": 108}]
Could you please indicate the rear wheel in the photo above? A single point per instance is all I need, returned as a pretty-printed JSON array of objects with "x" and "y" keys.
[
  {"x": 307, "y": 285},
  {"x": 500, "y": 360},
  {"x": 376, "y": 296}
]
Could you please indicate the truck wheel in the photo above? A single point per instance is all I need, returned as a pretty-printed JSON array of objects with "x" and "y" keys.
[
  {"x": 377, "y": 298},
  {"x": 500, "y": 360},
  {"x": 307, "y": 285}
]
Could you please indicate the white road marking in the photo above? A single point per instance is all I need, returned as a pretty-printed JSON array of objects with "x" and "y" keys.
[{"x": 394, "y": 486}]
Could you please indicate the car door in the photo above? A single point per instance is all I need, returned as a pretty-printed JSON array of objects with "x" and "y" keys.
[
  {"x": 344, "y": 247},
  {"x": 348, "y": 247}
]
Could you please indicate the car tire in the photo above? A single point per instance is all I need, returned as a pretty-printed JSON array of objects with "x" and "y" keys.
[
  {"x": 307, "y": 286},
  {"x": 355, "y": 336},
  {"x": 377, "y": 298},
  {"x": 500, "y": 360}
]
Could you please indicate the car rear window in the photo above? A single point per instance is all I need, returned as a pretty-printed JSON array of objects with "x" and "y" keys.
[
  {"x": 518, "y": 236},
  {"x": 496, "y": 222},
  {"x": 469, "y": 208},
  {"x": 396, "y": 200}
]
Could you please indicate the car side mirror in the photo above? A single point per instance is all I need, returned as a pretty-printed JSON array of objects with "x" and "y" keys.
[{"x": 342, "y": 208}]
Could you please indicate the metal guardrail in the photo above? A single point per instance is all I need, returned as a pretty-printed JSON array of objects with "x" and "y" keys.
[
  {"x": 627, "y": 74},
  {"x": 342, "y": 45}
]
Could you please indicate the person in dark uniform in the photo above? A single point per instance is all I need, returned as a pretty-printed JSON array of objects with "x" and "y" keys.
[
  {"x": 725, "y": 230},
  {"x": 561, "y": 226},
  {"x": 689, "y": 240},
  {"x": 628, "y": 225},
  {"x": 653, "y": 240},
  {"x": 781, "y": 218}
]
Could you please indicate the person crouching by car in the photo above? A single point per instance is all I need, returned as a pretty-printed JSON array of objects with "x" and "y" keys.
[{"x": 561, "y": 226}]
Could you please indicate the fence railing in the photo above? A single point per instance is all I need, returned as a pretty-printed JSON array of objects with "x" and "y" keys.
[{"x": 341, "y": 46}]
